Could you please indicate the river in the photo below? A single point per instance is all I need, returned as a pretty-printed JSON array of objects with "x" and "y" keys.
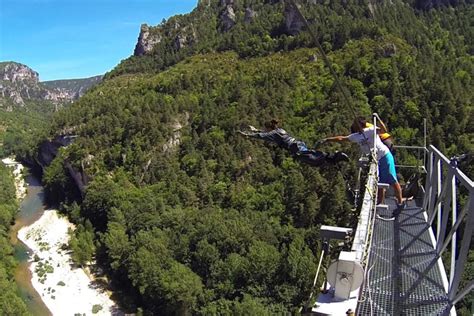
[{"x": 31, "y": 209}]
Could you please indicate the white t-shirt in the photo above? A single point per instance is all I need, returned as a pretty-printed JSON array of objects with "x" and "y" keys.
[{"x": 366, "y": 141}]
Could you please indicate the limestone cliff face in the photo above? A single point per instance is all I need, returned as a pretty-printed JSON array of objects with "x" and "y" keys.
[
  {"x": 146, "y": 40},
  {"x": 210, "y": 26},
  {"x": 19, "y": 83},
  {"x": 15, "y": 73},
  {"x": 48, "y": 150},
  {"x": 293, "y": 22},
  {"x": 180, "y": 32},
  {"x": 250, "y": 15},
  {"x": 150, "y": 36},
  {"x": 228, "y": 18},
  {"x": 183, "y": 31}
]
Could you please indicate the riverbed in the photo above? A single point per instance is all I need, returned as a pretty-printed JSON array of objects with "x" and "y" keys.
[
  {"x": 31, "y": 209},
  {"x": 41, "y": 234}
]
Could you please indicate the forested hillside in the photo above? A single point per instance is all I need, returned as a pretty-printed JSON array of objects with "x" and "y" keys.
[
  {"x": 10, "y": 302},
  {"x": 189, "y": 217},
  {"x": 22, "y": 129}
]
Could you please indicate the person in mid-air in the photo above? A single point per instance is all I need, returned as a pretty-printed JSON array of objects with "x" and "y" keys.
[
  {"x": 364, "y": 137},
  {"x": 298, "y": 149}
]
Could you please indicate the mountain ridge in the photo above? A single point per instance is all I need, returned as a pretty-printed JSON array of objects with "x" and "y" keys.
[
  {"x": 76, "y": 87},
  {"x": 19, "y": 84},
  {"x": 220, "y": 25}
]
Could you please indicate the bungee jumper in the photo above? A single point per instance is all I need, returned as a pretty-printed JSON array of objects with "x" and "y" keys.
[{"x": 298, "y": 149}]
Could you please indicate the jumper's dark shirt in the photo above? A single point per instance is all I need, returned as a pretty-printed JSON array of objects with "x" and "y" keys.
[{"x": 282, "y": 139}]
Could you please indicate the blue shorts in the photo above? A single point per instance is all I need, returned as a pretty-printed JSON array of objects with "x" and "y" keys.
[{"x": 387, "y": 172}]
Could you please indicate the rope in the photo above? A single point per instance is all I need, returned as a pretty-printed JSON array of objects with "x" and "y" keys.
[
  {"x": 346, "y": 97},
  {"x": 348, "y": 100},
  {"x": 370, "y": 293},
  {"x": 368, "y": 241},
  {"x": 369, "y": 238}
]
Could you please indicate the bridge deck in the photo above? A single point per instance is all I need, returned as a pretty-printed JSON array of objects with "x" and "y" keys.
[{"x": 402, "y": 252}]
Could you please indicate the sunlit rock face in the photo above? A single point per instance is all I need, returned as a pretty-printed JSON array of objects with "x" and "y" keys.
[
  {"x": 19, "y": 83},
  {"x": 146, "y": 40}
]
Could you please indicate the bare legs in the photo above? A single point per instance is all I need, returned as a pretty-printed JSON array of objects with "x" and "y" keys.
[{"x": 398, "y": 194}]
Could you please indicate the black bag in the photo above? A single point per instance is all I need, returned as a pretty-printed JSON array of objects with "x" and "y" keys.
[{"x": 412, "y": 187}]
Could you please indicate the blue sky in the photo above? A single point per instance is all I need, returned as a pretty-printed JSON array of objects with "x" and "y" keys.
[{"x": 64, "y": 39}]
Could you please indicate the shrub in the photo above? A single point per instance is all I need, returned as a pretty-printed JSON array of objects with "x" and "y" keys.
[{"x": 96, "y": 308}]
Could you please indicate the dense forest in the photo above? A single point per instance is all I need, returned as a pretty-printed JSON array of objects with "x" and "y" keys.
[
  {"x": 184, "y": 214},
  {"x": 10, "y": 302},
  {"x": 26, "y": 106},
  {"x": 22, "y": 129}
]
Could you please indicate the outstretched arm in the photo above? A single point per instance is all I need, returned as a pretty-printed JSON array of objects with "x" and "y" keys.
[
  {"x": 336, "y": 139},
  {"x": 271, "y": 136},
  {"x": 252, "y": 131}
]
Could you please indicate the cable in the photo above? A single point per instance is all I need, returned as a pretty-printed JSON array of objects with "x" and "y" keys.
[
  {"x": 368, "y": 242},
  {"x": 346, "y": 97},
  {"x": 368, "y": 289},
  {"x": 348, "y": 100},
  {"x": 371, "y": 230}
]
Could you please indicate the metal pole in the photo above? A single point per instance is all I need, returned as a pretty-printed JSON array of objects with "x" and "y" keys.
[
  {"x": 453, "y": 241},
  {"x": 428, "y": 182},
  {"x": 455, "y": 227},
  {"x": 466, "y": 240},
  {"x": 439, "y": 170},
  {"x": 374, "y": 151},
  {"x": 424, "y": 141},
  {"x": 315, "y": 278},
  {"x": 443, "y": 220},
  {"x": 432, "y": 203},
  {"x": 463, "y": 292},
  {"x": 438, "y": 199}
]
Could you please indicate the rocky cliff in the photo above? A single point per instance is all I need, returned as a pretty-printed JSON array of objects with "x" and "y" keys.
[
  {"x": 19, "y": 83},
  {"x": 214, "y": 24},
  {"x": 146, "y": 41}
]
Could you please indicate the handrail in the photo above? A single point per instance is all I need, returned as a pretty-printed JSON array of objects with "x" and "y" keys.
[
  {"x": 441, "y": 205},
  {"x": 459, "y": 174},
  {"x": 411, "y": 147},
  {"x": 418, "y": 148}
]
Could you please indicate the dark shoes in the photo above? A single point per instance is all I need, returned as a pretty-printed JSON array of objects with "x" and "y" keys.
[
  {"x": 399, "y": 209},
  {"x": 340, "y": 156}
]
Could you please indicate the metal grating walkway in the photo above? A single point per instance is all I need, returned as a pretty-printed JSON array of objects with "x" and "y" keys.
[{"x": 401, "y": 252}]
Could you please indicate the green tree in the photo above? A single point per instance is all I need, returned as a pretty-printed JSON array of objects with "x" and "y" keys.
[{"x": 82, "y": 244}]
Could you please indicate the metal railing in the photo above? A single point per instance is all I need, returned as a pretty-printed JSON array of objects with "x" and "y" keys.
[
  {"x": 420, "y": 150},
  {"x": 440, "y": 202},
  {"x": 445, "y": 220}
]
